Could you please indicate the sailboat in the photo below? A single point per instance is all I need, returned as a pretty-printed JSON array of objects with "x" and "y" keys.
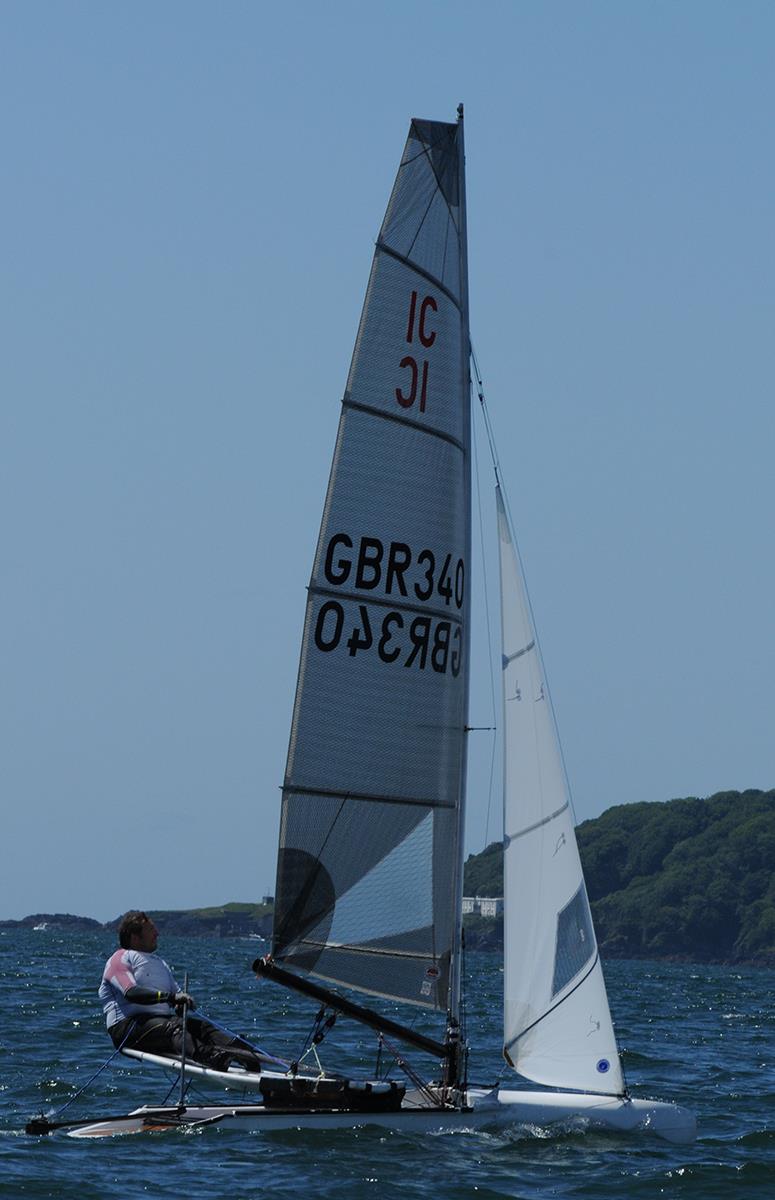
[{"x": 370, "y": 864}]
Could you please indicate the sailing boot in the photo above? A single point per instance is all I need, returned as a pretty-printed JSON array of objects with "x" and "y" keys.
[{"x": 243, "y": 1056}]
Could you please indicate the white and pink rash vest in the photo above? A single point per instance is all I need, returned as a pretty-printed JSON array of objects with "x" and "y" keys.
[{"x": 129, "y": 968}]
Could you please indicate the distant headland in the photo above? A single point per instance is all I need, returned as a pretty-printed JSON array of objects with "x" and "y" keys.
[
  {"x": 226, "y": 920},
  {"x": 689, "y": 879}
]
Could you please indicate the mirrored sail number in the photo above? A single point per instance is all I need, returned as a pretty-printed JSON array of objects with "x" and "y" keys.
[
  {"x": 420, "y": 641},
  {"x": 419, "y": 324}
]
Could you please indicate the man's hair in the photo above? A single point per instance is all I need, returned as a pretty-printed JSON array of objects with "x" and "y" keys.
[{"x": 131, "y": 922}]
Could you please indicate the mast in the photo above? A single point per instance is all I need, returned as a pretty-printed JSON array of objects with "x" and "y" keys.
[{"x": 456, "y": 979}]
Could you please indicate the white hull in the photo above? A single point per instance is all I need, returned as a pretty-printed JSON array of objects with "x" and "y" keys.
[{"x": 487, "y": 1110}]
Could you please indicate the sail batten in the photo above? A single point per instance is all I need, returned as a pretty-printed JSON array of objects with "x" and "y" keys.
[
  {"x": 383, "y": 248},
  {"x": 367, "y": 888},
  {"x": 557, "y": 1024},
  {"x": 401, "y": 605},
  {"x": 401, "y": 420},
  {"x": 355, "y": 949},
  {"x": 297, "y": 790},
  {"x": 510, "y": 837}
]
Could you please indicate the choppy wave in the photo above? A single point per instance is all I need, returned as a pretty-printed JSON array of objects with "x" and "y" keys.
[{"x": 674, "y": 1021}]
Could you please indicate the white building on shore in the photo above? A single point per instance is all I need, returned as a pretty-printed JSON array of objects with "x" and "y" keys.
[{"x": 484, "y": 906}]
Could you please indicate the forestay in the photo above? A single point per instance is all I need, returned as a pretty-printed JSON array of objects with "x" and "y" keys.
[
  {"x": 367, "y": 885},
  {"x": 557, "y": 1024}
]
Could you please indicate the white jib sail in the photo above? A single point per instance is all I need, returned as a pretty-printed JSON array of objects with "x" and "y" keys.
[{"x": 557, "y": 1024}]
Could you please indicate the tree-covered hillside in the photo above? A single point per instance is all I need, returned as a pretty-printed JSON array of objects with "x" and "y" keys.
[{"x": 690, "y": 878}]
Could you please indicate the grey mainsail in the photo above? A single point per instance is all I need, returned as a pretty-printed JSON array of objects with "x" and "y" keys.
[{"x": 370, "y": 839}]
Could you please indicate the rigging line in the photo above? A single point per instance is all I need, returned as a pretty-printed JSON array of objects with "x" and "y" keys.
[
  {"x": 550, "y": 1010},
  {"x": 175, "y": 1087},
  {"x": 485, "y": 413},
  {"x": 426, "y": 145},
  {"x": 510, "y": 520},
  {"x": 488, "y": 626},
  {"x": 240, "y": 1038},
  {"x": 184, "y": 1023},
  {"x": 509, "y": 1046},
  {"x": 383, "y": 1041},
  {"x": 463, "y": 1010},
  {"x": 57, "y": 1112},
  {"x": 422, "y": 222},
  {"x": 305, "y": 1044},
  {"x": 423, "y": 1088},
  {"x": 427, "y": 152}
]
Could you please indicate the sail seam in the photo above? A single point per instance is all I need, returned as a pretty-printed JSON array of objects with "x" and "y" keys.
[
  {"x": 413, "y": 266},
  {"x": 512, "y": 837},
  {"x": 405, "y": 606},
  {"x": 388, "y": 416},
  {"x": 549, "y": 1011},
  {"x": 365, "y": 796}
]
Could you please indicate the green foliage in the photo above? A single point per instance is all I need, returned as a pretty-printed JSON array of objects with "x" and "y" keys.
[
  {"x": 483, "y": 933},
  {"x": 223, "y": 920},
  {"x": 689, "y": 878},
  {"x": 234, "y": 909},
  {"x": 483, "y": 873}
]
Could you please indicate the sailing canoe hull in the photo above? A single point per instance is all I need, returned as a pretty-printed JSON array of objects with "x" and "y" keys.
[
  {"x": 234, "y": 1078},
  {"x": 488, "y": 1109}
]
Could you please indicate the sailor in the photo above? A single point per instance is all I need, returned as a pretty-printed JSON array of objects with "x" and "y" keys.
[{"x": 143, "y": 1005}]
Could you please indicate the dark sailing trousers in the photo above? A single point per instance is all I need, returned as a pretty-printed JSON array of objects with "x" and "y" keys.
[{"x": 206, "y": 1045}]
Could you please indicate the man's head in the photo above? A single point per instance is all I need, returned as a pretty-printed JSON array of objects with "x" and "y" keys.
[{"x": 137, "y": 932}]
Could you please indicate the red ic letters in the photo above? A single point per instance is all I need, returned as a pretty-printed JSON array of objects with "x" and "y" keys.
[
  {"x": 418, "y": 378},
  {"x": 427, "y": 338}
]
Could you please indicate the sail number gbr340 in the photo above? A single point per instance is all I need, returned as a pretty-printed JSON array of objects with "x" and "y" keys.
[{"x": 425, "y": 641}]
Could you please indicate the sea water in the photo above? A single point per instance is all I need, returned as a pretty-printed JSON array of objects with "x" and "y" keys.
[{"x": 701, "y": 1036}]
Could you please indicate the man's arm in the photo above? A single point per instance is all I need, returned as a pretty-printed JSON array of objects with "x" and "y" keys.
[
  {"x": 141, "y": 995},
  {"x": 120, "y": 976}
]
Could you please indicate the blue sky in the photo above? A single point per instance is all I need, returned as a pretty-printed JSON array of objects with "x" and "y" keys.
[{"x": 190, "y": 198}]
